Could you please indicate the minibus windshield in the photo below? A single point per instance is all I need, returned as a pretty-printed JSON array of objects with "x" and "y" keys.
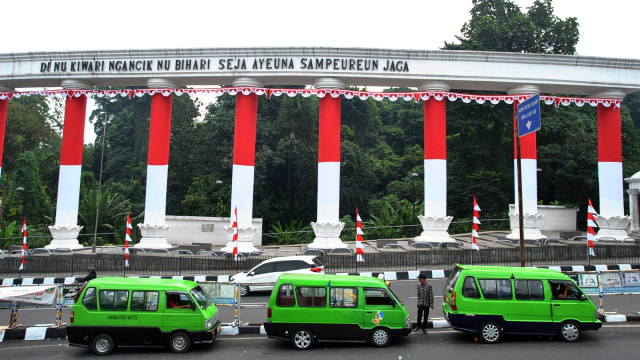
[{"x": 201, "y": 297}]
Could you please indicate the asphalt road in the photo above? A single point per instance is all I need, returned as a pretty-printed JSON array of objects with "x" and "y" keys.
[{"x": 612, "y": 341}]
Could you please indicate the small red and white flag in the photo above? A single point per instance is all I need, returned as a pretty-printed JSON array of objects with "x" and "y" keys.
[
  {"x": 359, "y": 239},
  {"x": 476, "y": 222},
  {"x": 235, "y": 234},
  {"x": 127, "y": 239},
  {"x": 24, "y": 243},
  {"x": 591, "y": 233}
]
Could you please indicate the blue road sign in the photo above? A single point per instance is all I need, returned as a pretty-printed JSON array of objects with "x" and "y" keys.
[{"x": 529, "y": 115}]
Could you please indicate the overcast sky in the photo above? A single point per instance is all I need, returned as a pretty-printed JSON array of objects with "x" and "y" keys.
[{"x": 607, "y": 28}]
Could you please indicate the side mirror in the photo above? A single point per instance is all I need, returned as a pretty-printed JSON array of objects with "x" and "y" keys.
[{"x": 251, "y": 273}]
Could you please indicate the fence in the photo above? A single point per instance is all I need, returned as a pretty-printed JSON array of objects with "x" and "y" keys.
[{"x": 397, "y": 259}]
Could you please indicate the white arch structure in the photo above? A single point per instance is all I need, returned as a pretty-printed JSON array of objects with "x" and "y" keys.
[{"x": 596, "y": 81}]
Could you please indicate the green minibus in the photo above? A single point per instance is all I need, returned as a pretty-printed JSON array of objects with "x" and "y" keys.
[
  {"x": 306, "y": 308},
  {"x": 112, "y": 312},
  {"x": 490, "y": 301}
]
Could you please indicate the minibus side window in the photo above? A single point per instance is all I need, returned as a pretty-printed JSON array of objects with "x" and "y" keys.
[
  {"x": 565, "y": 290},
  {"x": 144, "y": 300},
  {"x": 311, "y": 296},
  {"x": 113, "y": 300},
  {"x": 343, "y": 297},
  {"x": 529, "y": 290},
  {"x": 89, "y": 300},
  {"x": 499, "y": 289},
  {"x": 285, "y": 296},
  {"x": 469, "y": 288},
  {"x": 377, "y": 296}
]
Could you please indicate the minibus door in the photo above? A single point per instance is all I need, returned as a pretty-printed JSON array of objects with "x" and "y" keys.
[
  {"x": 570, "y": 305},
  {"x": 381, "y": 309},
  {"x": 183, "y": 315}
]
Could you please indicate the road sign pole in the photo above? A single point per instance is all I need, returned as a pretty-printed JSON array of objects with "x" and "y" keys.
[{"x": 519, "y": 175}]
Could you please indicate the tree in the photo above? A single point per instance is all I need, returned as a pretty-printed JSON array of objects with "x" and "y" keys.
[
  {"x": 33, "y": 201},
  {"x": 499, "y": 25}
]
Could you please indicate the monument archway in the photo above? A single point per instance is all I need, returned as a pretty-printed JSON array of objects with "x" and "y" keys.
[{"x": 598, "y": 82}]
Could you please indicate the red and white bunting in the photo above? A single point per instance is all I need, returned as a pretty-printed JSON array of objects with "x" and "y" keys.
[
  {"x": 235, "y": 234},
  {"x": 359, "y": 239},
  {"x": 591, "y": 233},
  {"x": 127, "y": 239},
  {"x": 24, "y": 243},
  {"x": 476, "y": 222},
  {"x": 320, "y": 93}
]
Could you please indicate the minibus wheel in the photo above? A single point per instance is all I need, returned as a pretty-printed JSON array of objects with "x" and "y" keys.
[
  {"x": 102, "y": 344},
  {"x": 302, "y": 339},
  {"x": 380, "y": 337},
  {"x": 570, "y": 331},
  {"x": 180, "y": 342},
  {"x": 244, "y": 290},
  {"x": 490, "y": 332}
]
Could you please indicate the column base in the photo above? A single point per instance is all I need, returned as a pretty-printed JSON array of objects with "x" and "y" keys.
[
  {"x": 613, "y": 227},
  {"x": 435, "y": 229},
  {"x": 64, "y": 237},
  {"x": 153, "y": 237},
  {"x": 327, "y": 236},
  {"x": 531, "y": 224},
  {"x": 245, "y": 240}
]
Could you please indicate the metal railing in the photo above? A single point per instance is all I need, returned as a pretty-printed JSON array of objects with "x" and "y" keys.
[{"x": 392, "y": 258}]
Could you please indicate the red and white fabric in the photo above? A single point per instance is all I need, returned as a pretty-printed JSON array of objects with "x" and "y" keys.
[
  {"x": 127, "y": 239},
  {"x": 244, "y": 155},
  {"x": 158, "y": 160},
  {"x": 474, "y": 227},
  {"x": 359, "y": 239},
  {"x": 235, "y": 234},
  {"x": 328, "y": 206},
  {"x": 71, "y": 161},
  {"x": 591, "y": 233},
  {"x": 610, "y": 174},
  {"x": 24, "y": 243},
  {"x": 435, "y": 158}
]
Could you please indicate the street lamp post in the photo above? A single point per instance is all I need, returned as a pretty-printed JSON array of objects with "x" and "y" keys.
[{"x": 413, "y": 203}]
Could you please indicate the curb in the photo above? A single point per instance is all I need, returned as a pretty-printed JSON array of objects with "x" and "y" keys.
[
  {"x": 60, "y": 332},
  {"x": 389, "y": 275}
]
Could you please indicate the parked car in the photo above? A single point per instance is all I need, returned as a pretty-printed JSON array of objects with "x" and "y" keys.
[{"x": 263, "y": 276}]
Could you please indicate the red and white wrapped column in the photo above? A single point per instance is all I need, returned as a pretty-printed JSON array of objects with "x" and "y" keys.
[
  {"x": 611, "y": 220},
  {"x": 435, "y": 222},
  {"x": 242, "y": 179},
  {"x": 328, "y": 227},
  {"x": 65, "y": 231},
  {"x": 529, "y": 170},
  {"x": 154, "y": 229}
]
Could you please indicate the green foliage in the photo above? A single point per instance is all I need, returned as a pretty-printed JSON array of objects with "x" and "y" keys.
[
  {"x": 295, "y": 232},
  {"x": 499, "y": 25},
  {"x": 109, "y": 222}
]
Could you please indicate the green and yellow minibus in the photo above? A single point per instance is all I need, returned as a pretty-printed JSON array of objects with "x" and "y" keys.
[
  {"x": 112, "y": 312},
  {"x": 306, "y": 308},
  {"x": 490, "y": 301}
]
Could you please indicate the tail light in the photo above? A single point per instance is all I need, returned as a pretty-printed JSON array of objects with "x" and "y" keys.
[
  {"x": 71, "y": 318},
  {"x": 316, "y": 269},
  {"x": 269, "y": 313},
  {"x": 453, "y": 301}
]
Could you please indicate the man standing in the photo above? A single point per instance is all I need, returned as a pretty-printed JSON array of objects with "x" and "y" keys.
[{"x": 425, "y": 300}]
